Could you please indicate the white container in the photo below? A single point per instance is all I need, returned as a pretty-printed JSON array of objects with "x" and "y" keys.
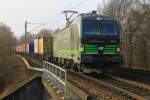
[
  {"x": 27, "y": 48},
  {"x": 36, "y": 46}
]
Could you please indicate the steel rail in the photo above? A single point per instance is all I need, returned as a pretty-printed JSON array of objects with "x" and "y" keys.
[
  {"x": 97, "y": 81},
  {"x": 130, "y": 94},
  {"x": 137, "y": 84}
]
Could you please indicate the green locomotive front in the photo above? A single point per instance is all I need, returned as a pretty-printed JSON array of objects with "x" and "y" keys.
[{"x": 89, "y": 42}]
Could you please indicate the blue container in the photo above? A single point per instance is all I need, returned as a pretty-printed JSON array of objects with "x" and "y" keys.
[{"x": 31, "y": 47}]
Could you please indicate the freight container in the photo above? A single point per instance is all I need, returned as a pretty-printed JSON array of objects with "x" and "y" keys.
[
  {"x": 21, "y": 48},
  {"x": 41, "y": 44},
  {"x": 31, "y": 47},
  {"x": 24, "y": 48},
  {"x": 45, "y": 45},
  {"x": 27, "y": 48},
  {"x": 36, "y": 46},
  {"x": 17, "y": 48}
]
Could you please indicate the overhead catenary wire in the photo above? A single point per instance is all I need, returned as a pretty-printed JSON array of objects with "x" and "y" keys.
[
  {"x": 35, "y": 23},
  {"x": 58, "y": 21},
  {"x": 76, "y": 6},
  {"x": 65, "y": 7},
  {"x": 61, "y": 18},
  {"x": 37, "y": 27},
  {"x": 46, "y": 22}
]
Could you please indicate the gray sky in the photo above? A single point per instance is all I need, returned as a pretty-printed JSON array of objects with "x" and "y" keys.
[{"x": 15, "y": 12}]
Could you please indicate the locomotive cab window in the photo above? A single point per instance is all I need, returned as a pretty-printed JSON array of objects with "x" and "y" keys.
[{"x": 100, "y": 28}]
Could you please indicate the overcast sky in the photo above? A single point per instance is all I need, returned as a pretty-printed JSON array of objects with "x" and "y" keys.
[{"x": 15, "y": 12}]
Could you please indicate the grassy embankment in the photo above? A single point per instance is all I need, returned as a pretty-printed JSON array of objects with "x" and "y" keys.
[{"x": 14, "y": 75}]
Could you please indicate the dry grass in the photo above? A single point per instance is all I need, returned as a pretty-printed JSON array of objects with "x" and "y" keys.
[
  {"x": 18, "y": 75},
  {"x": 35, "y": 62}
]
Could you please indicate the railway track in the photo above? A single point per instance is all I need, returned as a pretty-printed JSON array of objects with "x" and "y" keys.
[
  {"x": 134, "y": 75},
  {"x": 136, "y": 91},
  {"x": 101, "y": 89},
  {"x": 108, "y": 88},
  {"x": 134, "y": 83},
  {"x": 121, "y": 88}
]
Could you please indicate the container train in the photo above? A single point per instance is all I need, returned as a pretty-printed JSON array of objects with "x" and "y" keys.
[{"x": 91, "y": 42}]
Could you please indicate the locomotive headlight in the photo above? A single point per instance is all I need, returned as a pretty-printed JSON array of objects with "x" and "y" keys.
[
  {"x": 81, "y": 48},
  {"x": 118, "y": 49}
]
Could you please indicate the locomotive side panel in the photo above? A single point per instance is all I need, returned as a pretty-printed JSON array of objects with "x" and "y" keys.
[
  {"x": 62, "y": 44},
  {"x": 75, "y": 33}
]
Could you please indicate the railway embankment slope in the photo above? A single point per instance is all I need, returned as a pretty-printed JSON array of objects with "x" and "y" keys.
[{"x": 16, "y": 76}]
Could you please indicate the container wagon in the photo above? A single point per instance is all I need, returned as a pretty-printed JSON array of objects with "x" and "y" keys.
[
  {"x": 45, "y": 47},
  {"x": 31, "y": 47},
  {"x": 36, "y": 46},
  {"x": 27, "y": 48}
]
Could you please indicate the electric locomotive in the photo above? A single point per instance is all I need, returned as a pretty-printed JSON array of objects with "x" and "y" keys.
[
  {"x": 100, "y": 42},
  {"x": 91, "y": 42}
]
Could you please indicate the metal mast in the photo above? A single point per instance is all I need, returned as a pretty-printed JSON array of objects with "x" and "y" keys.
[{"x": 25, "y": 37}]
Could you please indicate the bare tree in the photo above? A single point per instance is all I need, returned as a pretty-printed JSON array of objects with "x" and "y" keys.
[
  {"x": 7, "y": 41},
  {"x": 45, "y": 33},
  {"x": 131, "y": 15},
  {"x": 30, "y": 37}
]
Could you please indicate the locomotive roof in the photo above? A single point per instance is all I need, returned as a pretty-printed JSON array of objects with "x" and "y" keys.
[
  {"x": 93, "y": 17},
  {"x": 90, "y": 17}
]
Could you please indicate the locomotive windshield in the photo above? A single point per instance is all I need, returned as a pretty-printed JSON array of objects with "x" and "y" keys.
[{"x": 100, "y": 28}]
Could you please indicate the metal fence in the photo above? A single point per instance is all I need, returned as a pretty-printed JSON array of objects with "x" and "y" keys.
[{"x": 56, "y": 76}]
